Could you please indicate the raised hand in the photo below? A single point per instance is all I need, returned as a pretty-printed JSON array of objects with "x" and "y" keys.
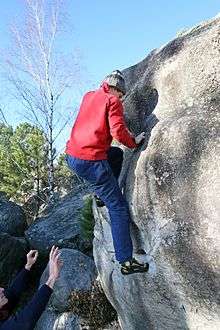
[
  {"x": 31, "y": 258},
  {"x": 55, "y": 265},
  {"x": 140, "y": 138}
]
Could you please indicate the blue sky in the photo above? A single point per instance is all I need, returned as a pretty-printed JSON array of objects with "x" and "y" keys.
[{"x": 117, "y": 34}]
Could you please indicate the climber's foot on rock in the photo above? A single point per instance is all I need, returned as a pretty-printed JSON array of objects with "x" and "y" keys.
[
  {"x": 133, "y": 266},
  {"x": 99, "y": 202},
  {"x": 140, "y": 252}
]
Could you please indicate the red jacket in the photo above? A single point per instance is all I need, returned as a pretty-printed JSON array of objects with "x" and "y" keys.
[{"x": 100, "y": 119}]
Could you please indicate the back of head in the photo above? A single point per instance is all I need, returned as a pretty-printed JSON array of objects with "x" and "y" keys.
[{"x": 116, "y": 80}]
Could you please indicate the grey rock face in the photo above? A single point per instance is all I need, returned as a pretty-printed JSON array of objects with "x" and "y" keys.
[
  {"x": 12, "y": 257},
  {"x": 78, "y": 273},
  {"x": 113, "y": 326},
  {"x": 51, "y": 320},
  {"x": 12, "y": 218},
  {"x": 173, "y": 188},
  {"x": 60, "y": 226}
]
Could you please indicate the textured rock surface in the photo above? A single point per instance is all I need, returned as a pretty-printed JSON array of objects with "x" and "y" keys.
[
  {"x": 12, "y": 218},
  {"x": 12, "y": 257},
  {"x": 173, "y": 187},
  {"x": 78, "y": 273},
  {"x": 113, "y": 326},
  {"x": 60, "y": 226},
  {"x": 53, "y": 321}
]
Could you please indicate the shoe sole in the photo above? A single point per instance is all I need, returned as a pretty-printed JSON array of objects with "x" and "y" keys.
[
  {"x": 100, "y": 205},
  {"x": 145, "y": 270}
]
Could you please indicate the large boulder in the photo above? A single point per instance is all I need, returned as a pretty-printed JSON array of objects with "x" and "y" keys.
[
  {"x": 60, "y": 225},
  {"x": 12, "y": 257},
  {"x": 173, "y": 188},
  {"x": 12, "y": 218}
]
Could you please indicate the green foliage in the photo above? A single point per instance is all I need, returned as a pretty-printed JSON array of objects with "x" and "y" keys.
[
  {"x": 24, "y": 165},
  {"x": 23, "y": 161},
  {"x": 6, "y": 134},
  {"x": 87, "y": 220},
  {"x": 65, "y": 179}
]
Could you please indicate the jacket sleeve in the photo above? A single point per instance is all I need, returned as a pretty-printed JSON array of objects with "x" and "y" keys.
[
  {"x": 37, "y": 305},
  {"x": 14, "y": 291},
  {"x": 117, "y": 124},
  {"x": 27, "y": 317}
]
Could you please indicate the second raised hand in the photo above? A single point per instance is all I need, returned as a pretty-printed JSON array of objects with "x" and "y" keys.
[{"x": 31, "y": 259}]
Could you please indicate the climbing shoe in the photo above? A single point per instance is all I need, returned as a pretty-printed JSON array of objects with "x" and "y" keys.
[
  {"x": 133, "y": 266},
  {"x": 99, "y": 202}
]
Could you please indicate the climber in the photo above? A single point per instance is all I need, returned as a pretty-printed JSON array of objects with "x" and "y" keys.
[
  {"x": 27, "y": 318},
  {"x": 100, "y": 119}
]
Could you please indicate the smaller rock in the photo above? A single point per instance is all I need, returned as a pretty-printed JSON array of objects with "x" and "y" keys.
[
  {"x": 78, "y": 273},
  {"x": 12, "y": 218},
  {"x": 13, "y": 252},
  {"x": 51, "y": 320},
  {"x": 59, "y": 226}
]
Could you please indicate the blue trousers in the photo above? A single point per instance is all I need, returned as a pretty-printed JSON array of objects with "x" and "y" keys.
[{"x": 104, "y": 183}]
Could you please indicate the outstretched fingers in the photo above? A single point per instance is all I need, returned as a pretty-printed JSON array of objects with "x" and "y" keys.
[
  {"x": 54, "y": 254},
  {"x": 53, "y": 251}
]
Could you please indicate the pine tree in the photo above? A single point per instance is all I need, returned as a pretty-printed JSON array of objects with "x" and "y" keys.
[
  {"x": 23, "y": 165},
  {"x": 87, "y": 220},
  {"x": 22, "y": 161},
  {"x": 6, "y": 133},
  {"x": 65, "y": 179}
]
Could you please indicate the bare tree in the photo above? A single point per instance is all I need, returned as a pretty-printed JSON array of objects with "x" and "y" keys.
[
  {"x": 40, "y": 74},
  {"x": 2, "y": 117}
]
